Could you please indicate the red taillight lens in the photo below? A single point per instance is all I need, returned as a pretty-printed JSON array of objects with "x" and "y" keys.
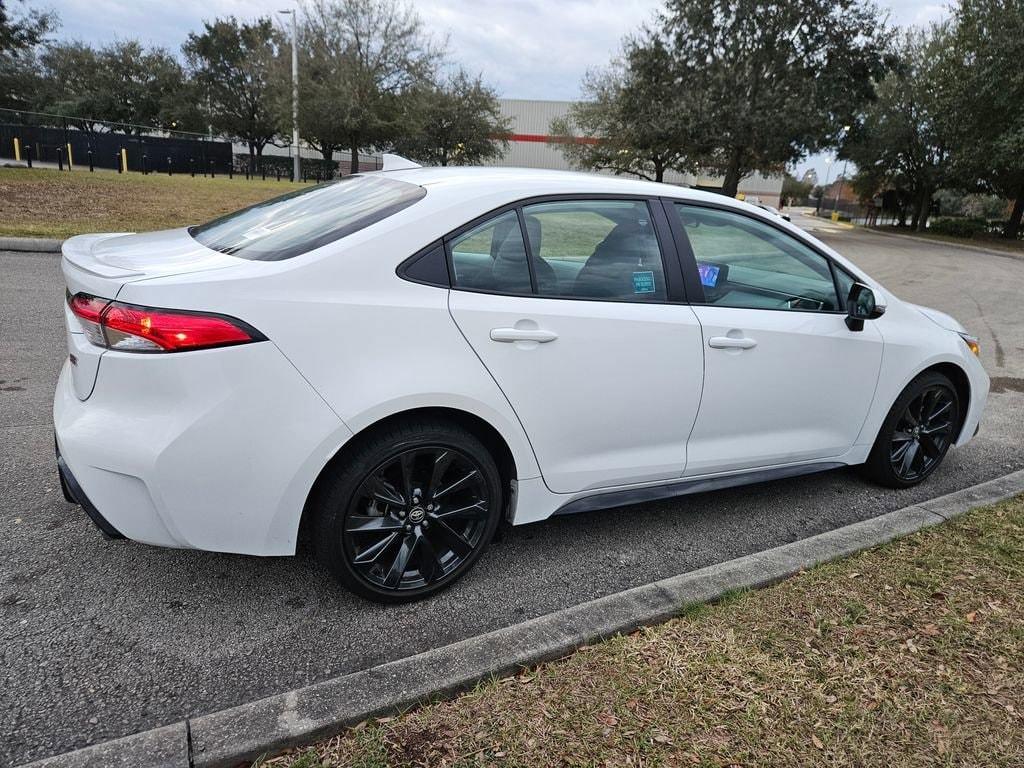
[
  {"x": 131, "y": 328},
  {"x": 88, "y": 310},
  {"x": 87, "y": 307}
]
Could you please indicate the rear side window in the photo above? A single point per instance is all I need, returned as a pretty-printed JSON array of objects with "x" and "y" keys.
[
  {"x": 302, "y": 221},
  {"x": 492, "y": 257}
]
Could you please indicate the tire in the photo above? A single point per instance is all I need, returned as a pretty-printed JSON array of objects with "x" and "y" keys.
[
  {"x": 385, "y": 543},
  {"x": 917, "y": 433}
]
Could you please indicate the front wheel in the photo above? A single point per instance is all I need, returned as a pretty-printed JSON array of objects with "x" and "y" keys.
[
  {"x": 917, "y": 433},
  {"x": 411, "y": 512}
]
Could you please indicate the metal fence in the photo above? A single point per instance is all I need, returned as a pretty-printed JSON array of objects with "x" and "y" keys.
[{"x": 69, "y": 142}]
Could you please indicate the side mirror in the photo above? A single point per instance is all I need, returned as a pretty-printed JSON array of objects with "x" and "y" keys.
[{"x": 861, "y": 306}]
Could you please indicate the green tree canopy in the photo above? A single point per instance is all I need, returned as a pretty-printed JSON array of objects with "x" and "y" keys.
[
  {"x": 900, "y": 141},
  {"x": 20, "y": 35},
  {"x": 122, "y": 82},
  {"x": 454, "y": 121},
  {"x": 358, "y": 60},
  {"x": 780, "y": 77},
  {"x": 637, "y": 117},
  {"x": 232, "y": 66},
  {"x": 983, "y": 107}
]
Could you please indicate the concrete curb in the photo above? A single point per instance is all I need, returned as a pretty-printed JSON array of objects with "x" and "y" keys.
[
  {"x": 243, "y": 733},
  {"x": 33, "y": 244},
  {"x": 931, "y": 241}
]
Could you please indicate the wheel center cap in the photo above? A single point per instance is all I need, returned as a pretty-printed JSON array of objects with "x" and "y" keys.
[{"x": 417, "y": 514}]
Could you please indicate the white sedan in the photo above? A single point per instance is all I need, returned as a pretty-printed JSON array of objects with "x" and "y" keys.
[{"x": 400, "y": 361}]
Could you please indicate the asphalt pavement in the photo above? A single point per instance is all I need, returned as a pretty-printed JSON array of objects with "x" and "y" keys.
[{"x": 100, "y": 639}]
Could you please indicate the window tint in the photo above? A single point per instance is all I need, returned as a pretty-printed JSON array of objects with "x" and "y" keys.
[
  {"x": 492, "y": 257},
  {"x": 595, "y": 249},
  {"x": 746, "y": 263},
  {"x": 301, "y": 221}
]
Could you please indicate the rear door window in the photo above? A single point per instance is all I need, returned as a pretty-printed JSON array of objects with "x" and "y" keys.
[
  {"x": 595, "y": 249},
  {"x": 302, "y": 221}
]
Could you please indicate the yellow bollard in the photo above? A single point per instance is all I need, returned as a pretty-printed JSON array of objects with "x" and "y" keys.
[
  {"x": 17, "y": 150},
  {"x": 124, "y": 160},
  {"x": 69, "y": 155}
]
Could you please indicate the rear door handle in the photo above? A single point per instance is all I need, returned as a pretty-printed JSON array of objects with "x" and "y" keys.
[
  {"x": 730, "y": 342},
  {"x": 523, "y": 334}
]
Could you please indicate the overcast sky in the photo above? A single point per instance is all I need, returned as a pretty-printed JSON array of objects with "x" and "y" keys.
[{"x": 528, "y": 49}]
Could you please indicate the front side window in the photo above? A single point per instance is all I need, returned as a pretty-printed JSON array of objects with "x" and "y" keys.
[
  {"x": 746, "y": 263},
  {"x": 492, "y": 257},
  {"x": 301, "y": 221},
  {"x": 595, "y": 249}
]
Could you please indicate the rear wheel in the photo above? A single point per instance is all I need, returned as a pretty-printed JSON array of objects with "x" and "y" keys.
[
  {"x": 411, "y": 512},
  {"x": 917, "y": 433}
]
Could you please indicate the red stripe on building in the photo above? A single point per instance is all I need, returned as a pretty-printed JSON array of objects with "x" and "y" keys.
[{"x": 541, "y": 138}]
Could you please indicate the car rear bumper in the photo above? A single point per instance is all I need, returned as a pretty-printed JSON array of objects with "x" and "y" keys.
[
  {"x": 175, "y": 450},
  {"x": 73, "y": 493}
]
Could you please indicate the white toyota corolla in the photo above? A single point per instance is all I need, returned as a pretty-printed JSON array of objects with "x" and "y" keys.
[{"x": 401, "y": 360}]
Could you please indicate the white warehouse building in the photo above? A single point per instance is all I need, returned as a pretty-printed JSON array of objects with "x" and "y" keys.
[{"x": 529, "y": 148}]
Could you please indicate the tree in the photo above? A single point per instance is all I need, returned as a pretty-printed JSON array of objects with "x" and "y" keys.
[
  {"x": 20, "y": 35},
  {"x": 457, "y": 120},
  {"x": 900, "y": 141},
  {"x": 984, "y": 99},
  {"x": 361, "y": 59},
  {"x": 794, "y": 190},
  {"x": 638, "y": 117},
  {"x": 232, "y": 63},
  {"x": 122, "y": 82},
  {"x": 781, "y": 77}
]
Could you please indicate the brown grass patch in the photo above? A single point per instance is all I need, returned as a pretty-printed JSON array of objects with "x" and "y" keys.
[
  {"x": 907, "y": 655},
  {"x": 48, "y": 203}
]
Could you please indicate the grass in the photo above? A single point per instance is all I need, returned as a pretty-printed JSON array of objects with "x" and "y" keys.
[
  {"x": 49, "y": 203},
  {"x": 906, "y": 655},
  {"x": 993, "y": 242}
]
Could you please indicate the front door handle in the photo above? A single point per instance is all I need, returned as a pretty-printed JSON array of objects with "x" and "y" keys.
[
  {"x": 730, "y": 342},
  {"x": 523, "y": 334}
]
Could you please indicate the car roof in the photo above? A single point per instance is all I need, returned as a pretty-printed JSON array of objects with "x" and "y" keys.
[{"x": 471, "y": 181}]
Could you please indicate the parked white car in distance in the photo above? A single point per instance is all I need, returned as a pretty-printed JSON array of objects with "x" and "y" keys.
[{"x": 402, "y": 360}]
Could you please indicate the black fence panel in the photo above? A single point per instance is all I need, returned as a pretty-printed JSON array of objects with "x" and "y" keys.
[{"x": 144, "y": 153}]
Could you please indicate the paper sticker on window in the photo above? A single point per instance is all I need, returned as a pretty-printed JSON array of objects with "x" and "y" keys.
[{"x": 643, "y": 282}]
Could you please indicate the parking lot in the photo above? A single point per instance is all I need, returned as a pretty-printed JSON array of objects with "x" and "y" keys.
[{"x": 99, "y": 639}]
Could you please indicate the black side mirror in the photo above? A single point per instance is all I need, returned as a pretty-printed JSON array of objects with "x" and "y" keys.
[{"x": 861, "y": 306}]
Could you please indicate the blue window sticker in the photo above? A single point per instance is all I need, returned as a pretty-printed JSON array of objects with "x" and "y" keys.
[
  {"x": 708, "y": 274},
  {"x": 643, "y": 282}
]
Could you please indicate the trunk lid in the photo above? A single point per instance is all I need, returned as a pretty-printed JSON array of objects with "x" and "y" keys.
[{"x": 101, "y": 264}]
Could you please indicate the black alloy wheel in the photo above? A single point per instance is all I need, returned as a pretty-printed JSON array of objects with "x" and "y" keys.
[
  {"x": 923, "y": 433},
  {"x": 410, "y": 511},
  {"x": 919, "y": 430},
  {"x": 416, "y": 518}
]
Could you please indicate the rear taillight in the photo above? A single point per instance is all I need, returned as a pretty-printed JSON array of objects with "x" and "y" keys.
[
  {"x": 88, "y": 309},
  {"x": 131, "y": 328}
]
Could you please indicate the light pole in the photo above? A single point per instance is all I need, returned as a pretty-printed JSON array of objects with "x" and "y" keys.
[{"x": 295, "y": 94}]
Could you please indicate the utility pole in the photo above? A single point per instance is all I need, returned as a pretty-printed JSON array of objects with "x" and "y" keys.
[
  {"x": 296, "y": 165},
  {"x": 842, "y": 179}
]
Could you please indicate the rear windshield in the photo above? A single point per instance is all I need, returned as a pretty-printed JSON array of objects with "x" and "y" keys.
[{"x": 301, "y": 221}]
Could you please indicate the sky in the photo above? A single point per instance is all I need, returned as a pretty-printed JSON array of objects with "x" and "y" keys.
[{"x": 528, "y": 49}]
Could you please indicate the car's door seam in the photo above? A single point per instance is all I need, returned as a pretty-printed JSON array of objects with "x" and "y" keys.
[{"x": 448, "y": 305}]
